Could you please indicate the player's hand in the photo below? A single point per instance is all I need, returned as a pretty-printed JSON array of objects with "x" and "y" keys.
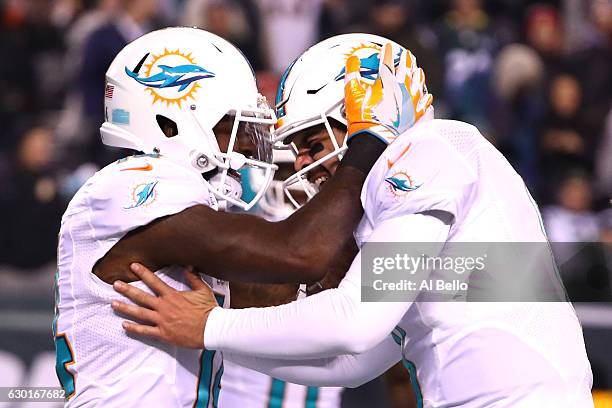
[
  {"x": 174, "y": 317},
  {"x": 389, "y": 106}
]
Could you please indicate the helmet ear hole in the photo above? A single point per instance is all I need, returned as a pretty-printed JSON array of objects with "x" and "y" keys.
[{"x": 167, "y": 126}]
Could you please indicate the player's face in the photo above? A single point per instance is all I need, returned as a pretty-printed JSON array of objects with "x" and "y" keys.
[
  {"x": 243, "y": 144},
  {"x": 312, "y": 144}
]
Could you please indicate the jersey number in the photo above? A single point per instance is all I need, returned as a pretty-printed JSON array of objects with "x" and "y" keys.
[
  {"x": 277, "y": 395},
  {"x": 63, "y": 358},
  {"x": 63, "y": 351}
]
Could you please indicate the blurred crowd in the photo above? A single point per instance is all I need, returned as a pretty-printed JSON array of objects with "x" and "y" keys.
[{"x": 533, "y": 76}]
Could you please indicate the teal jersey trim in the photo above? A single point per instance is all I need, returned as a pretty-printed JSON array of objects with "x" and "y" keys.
[
  {"x": 399, "y": 335},
  {"x": 277, "y": 393},
  {"x": 205, "y": 378},
  {"x": 312, "y": 395},
  {"x": 63, "y": 352}
]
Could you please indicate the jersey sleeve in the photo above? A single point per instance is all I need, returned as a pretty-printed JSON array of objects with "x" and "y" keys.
[
  {"x": 348, "y": 370},
  {"x": 136, "y": 191},
  {"x": 415, "y": 176}
]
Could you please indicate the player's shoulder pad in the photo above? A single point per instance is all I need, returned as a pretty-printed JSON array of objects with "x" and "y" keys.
[
  {"x": 151, "y": 168},
  {"x": 426, "y": 155},
  {"x": 418, "y": 172},
  {"x": 134, "y": 191}
]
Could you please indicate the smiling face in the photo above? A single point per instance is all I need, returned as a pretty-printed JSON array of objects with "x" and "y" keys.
[{"x": 314, "y": 143}]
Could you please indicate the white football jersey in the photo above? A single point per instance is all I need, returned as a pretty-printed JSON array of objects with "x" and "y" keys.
[
  {"x": 98, "y": 364},
  {"x": 449, "y": 166},
  {"x": 246, "y": 388}
]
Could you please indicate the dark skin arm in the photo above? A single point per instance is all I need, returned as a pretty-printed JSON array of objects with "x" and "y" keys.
[
  {"x": 245, "y": 248},
  {"x": 262, "y": 295}
]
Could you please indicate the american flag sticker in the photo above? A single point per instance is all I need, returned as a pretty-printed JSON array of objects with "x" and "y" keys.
[{"x": 108, "y": 91}]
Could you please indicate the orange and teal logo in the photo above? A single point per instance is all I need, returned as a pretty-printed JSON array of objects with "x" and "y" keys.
[
  {"x": 171, "y": 77},
  {"x": 142, "y": 195},
  {"x": 401, "y": 184}
]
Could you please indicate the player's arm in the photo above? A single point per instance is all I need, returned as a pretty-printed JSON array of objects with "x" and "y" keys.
[
  {"x": 238, "y": 247},
  {"x": 241, "y": 247},
  {"x": 261, "y": 295},
  {"x": 330, "y": 323},
  {"x": 341, "y": 371}
]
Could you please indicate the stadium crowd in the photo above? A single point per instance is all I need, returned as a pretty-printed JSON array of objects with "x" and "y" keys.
[{"x": 533, "y": 76}]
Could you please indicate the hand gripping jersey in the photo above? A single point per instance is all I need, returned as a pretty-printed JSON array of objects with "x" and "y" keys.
[{"x": 98, "y": 364}]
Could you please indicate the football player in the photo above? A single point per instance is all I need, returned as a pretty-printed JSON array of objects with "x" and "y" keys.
[
  {"x": 441, "y": 183},
  {"x": 188, "y": 101}
]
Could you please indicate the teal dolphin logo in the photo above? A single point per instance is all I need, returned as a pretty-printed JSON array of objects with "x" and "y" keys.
[
  {"x": 402, "y": 184},
  {"x": 143, "y": 194},
  {"x": 369, "y": 67},
  {"x": 180, "y": 76}
]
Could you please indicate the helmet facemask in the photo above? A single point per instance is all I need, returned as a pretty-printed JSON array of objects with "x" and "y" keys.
[
  {"x": 298, "y": 181},
  {"x": 250, "y": 126},
  {"x": 274, "y": 204}
]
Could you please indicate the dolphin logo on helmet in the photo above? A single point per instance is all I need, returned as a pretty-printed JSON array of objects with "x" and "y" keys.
[{"x": 180, "y": 76}]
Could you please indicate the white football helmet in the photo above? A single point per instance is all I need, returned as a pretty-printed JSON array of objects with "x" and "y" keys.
[
  {"x": 312, "y": 90},
  {"x": 187, "y": 80}
]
